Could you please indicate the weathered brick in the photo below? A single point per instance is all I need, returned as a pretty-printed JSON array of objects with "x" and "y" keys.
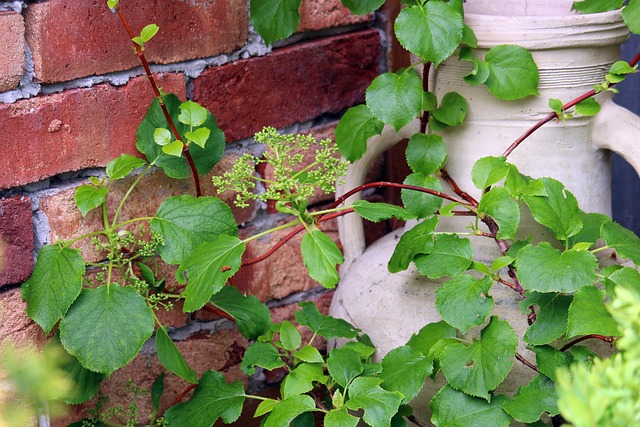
[
  {"x": 15, "y": 326},
  {"x": 321, "y": 14},
  {"x": 294, "y": 84},
  {"x": 73, "y": 130},
  {"x": 71, "y": 39},
  {"x": 16, "y": 240},
  {"x": 281, "y": 274},
  {"x": 12, "y": 52},
  {"x": 66, "y": 222}
]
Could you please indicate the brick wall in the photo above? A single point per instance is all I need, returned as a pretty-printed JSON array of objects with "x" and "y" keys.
[{"x": 72, "y": 95}]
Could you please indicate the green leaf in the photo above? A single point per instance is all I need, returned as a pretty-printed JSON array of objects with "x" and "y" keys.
[
  {"x": 340, "y": 418},
  {"x": 379, "y": 405},
  {"x": 198, "y": 136},
  {"x": 354, "y": 129},
  {"x": 325, "y": 326},
  {"x": 451, "y": 256},
  {"x": 275, "y": 19},
  {"x": 626, "y": 277},
  {"x": 543, "y": 268},
  {"x": 622, "y": 67},
  {"x": 469, "y": 37},
  {"x": 309, "y": 354},
  {"x": 417, "y": 240},
  {"x": 513, "y": 74},
  {"x": 549, "y": 360},
  {"x": 213, "y": 398},
  {"x": 588, "y": 107},
  {"x": 86, "y": 383},
  {"x": 429, "y": 335},
  {"x": 252, "y": 317},
  {"x": 558, "y": 210},
  {"x": 433, "y": 32},
  {"x": 556, "y": 105},
  {"x": 171, "y": 358},
  {"x": 122, "y": 166},
  {"x": 519, "y": 184},
  {"x": 479, "y": 72},
  {"x": 344, "y": 365},
  {"x": 419, "y": 203},
  {"x": 106, "y": 327},
  {"x": 185, "y": 222},
  {"x": 288, "y": 409},
  {"x": 452, "y": 109},
  {"x": 591, "y": 226},
  {"x": 89, "y": 197},
  {"x": 177, "y": 167},
  {"x": 156, "y": 391},
  {"x": 162, "y": 136},
  {"x": 54, "y": 285},
  {"x": 290, "y": 337},
  {"x": 588, "y": 314},
  {"x": 261, "y": 354},
  {"x": 596, "y": 6},
  {"x": 501, "y": 262},
  {"x": 480, "y": 367},
  {"x": 362, "y": 7},
  {"x": 498, "y": 204},
  {"x": 452, "y": 408},
  {"x": 148, "y": 32},
  {"x": 112, "y": 3},
  {"x": 488, "y": 171},
  {"x": 395, "y": 99},
  {"x": 174, "y": 148},
  {"x": 321, "y": 255},
  {"x": 429, "y": 101},
  {"x": 192, "y": 114},
  {"x": 301, "y": 379},
  {"x": 265, "y": 407},
  {"x": 138, "y": 40},
  {"x": 551, "y": 317},
  {"x": 624, "y": 241},
  {"x": 532, "y": 400},
  {"x": 376, "y": 212},
  {"x": 404, "y": 370},
  {"x": 426, "y": 154},
  {"x": 208, "y": 269},
  {"x": 465, "y": 291}
]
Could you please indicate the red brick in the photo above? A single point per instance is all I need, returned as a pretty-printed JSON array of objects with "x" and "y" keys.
[
  {"x": 321, "y": 14},
  {"x": 12, "y": 52},
  {"x": 71, "y": 39},
  {"x": 16, "y": 240},
  {"x": 66, "y": 222},
  {"x": 281, "y": 274},
  {"x": 293, "y": 84},
  {"x": 73, "y": 130},
  {"x": 15, "y": 326}
]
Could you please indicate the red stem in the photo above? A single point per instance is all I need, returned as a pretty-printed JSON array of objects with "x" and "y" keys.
[
  {"x": 424, "y": 120},
  {"x": 586, "y": 337},
  {"x": 526, "y": 362},
  {"x": 456, "y": 188},
  {"x": 183, "y": 394},
  {"x": 158, "y": 96},
  {"x": 554, "y": 115}
]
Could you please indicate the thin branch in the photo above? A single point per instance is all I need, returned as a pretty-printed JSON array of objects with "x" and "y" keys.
[
  {"x": 184, "y": 393},
  {"x": 586, "y": 337},
  {"x": 456, "y": 188},
  {"x": 158, "y": 95},
  {"x": 424, "y": 119},
  {"x": 526, "y": 362},
  {"x": 554, "y": 115}
]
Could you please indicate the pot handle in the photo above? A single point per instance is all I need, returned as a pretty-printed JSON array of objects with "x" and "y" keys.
[
  {"x": 617, "y": 129},
  {"x": 350, "y": 227}
]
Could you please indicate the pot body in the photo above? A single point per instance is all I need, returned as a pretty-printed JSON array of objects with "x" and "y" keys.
[{"x": 573, "y": 52}]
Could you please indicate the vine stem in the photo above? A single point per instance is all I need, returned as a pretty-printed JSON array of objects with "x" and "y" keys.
[
  {"x": 554, "y": 115},
  {"x": 158, "y": 95},
  {"x": 586, "y": 337},
  {"x": 380, "y": 184},
  {"x": 526, "y": 362},
  {"x": 183, "y": 394}
]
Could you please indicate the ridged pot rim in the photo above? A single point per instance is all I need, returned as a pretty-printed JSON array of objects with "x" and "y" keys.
[{"x": 549, "y": 32}]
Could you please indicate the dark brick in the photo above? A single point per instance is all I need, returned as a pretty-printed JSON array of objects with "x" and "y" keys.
[{"x": 16, "y": 240}]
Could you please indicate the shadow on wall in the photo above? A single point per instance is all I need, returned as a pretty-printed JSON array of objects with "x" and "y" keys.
[{"x": 625, "y": 182}]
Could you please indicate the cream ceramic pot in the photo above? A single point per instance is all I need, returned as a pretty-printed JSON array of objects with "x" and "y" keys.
[{"x": 573, "y": 52}]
